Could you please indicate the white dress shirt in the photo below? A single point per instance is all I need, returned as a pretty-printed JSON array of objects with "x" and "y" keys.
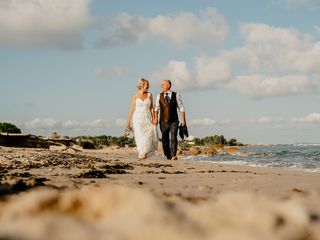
[{"x": 179, "y": 101}]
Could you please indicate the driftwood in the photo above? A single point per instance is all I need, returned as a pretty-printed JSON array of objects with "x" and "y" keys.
[{"x": 31, "y": 141}]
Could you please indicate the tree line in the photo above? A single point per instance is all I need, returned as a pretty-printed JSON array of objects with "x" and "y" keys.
[{"x": 96, "y": 142}]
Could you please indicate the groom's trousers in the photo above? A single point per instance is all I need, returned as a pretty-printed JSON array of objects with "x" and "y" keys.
[{"x": 169, "y": 138}]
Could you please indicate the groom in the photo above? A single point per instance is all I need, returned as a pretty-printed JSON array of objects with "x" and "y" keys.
[{"x": 167, "y": 103}]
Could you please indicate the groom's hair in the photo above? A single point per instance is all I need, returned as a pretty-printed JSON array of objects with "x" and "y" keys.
[{"x": 168, "y": 82}]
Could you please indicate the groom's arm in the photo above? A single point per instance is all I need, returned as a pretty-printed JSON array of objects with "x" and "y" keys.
[
  {"x": 183, "y": 118},
  {"x": 181, "y": 110},
  {"x": 156, "y": 110}
]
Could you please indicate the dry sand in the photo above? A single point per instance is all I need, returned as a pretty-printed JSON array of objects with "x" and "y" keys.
[{"x": 110, "y": 194}]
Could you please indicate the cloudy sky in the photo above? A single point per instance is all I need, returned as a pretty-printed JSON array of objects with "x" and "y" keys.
[{"x": 245, "y": 69}]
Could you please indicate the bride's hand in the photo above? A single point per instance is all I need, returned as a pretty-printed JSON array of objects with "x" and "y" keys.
[{"x": 154, "y": 121}]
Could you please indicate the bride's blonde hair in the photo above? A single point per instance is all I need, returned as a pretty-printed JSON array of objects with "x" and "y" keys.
[{"x": 141, "y": 82}]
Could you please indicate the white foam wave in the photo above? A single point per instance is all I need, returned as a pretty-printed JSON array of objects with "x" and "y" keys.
[{"x": 306, "y": 144}]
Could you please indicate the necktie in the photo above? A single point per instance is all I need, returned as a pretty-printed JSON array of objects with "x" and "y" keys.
[{"x": 167, "y": 98}]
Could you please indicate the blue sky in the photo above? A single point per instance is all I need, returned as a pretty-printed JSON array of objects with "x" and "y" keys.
[{"x": 245, "y": 69}]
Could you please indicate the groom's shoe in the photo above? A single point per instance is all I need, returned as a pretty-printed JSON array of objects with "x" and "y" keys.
[{"x": 174, "y": 158}]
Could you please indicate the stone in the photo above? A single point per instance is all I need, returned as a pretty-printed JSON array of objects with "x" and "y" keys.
[
  {"x": 77, "y": 148},
  {"x": 210, "y": 151},
  {"x": 234, "y": 151},
  {"x": 194, "y": 151},
  {"x": 58, "y": 148}
]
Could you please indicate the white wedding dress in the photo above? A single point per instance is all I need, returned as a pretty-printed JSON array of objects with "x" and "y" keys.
[{"x": 145, "y": 133}]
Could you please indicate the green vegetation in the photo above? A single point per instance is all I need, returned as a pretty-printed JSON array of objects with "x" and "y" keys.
[
  {"x": 209, "y": 141},
  {"x": 97, "y": 142},
  {"x": 8, "y": 128},
  {"x": 234, "y": 142}
]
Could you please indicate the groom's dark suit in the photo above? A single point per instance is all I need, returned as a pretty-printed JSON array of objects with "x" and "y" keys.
[{"x": 169, "y": 124}]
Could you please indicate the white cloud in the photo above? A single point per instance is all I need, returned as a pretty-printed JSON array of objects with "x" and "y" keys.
[
  {"x": 225, "y": 121},
  {"x": 280, "y": 50},
  {"x": 272, "y": 62},
  {"x": 121, "y": 122},
  {"x": 50, "y": 123},
  {"x": 207, "y": 122},
  {"x": 42, "y": 23},
  {"x": 176, "y": 70},
  {"x": 278, "y": 122},
  {"x": 206, "y": 31},
  {"x": 202, "y": 122},
  {"x": 111, "y": 73},
  {"x": 267, "y": 86},
  {"x": 267, "y": 120},
  {"x": 97, "y": 124},
  {"x": 311, "y": 118},
  {"x": 211, "y": 72},
  {"x": 42, "y": 123},
  {"x": 71, "y": 124},
  {"x": 297, "y": 3},
  {"x": 263, "y": 35},
  {"x": 208, "y": 73}
]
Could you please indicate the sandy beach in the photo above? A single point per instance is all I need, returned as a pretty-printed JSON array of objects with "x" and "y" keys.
[
  {"x": 230, "y": 88},
  {"x": 110, "y": 194}
]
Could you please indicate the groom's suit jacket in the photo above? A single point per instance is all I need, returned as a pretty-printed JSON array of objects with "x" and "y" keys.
[{"x": 168, "y": 112}]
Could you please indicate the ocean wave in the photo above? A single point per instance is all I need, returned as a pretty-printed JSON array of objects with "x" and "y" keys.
[
  {"x": 306, "y": 144},
  {"x": 293, "y": 157}
]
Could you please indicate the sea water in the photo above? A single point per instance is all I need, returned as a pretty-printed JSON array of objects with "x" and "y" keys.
[{"x": 305, "y": 157}]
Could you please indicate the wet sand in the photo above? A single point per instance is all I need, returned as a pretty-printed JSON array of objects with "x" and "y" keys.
[{"x": 110, "y": 194}]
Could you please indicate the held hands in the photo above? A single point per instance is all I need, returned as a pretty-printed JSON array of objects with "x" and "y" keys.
[{"x": 155, "y": 121}]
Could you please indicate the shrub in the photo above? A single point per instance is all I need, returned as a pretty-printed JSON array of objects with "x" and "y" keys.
[
  {"x": 87, "y": 144},
  {"x": 8, "y": 128},
  {"x": 199, "y": 142},
  {"x": 233, "y": 142},
  {"x": 122, "y": 141},
  {"x": 103, "y": 140},
  {"x": 184, "y": 145},
  {"x": 216, "y": 139}
]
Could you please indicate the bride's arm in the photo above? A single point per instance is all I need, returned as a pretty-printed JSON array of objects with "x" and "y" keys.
[
  {"x": 152, "y": 108},
  {"x": 132, "y": 107}
]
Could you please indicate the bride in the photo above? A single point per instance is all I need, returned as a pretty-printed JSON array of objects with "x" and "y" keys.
[{"x": 142, "y": 115}]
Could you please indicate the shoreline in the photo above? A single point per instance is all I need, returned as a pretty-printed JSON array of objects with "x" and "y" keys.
[
  {"x": 293, "y": 169},
  {"x": 265, "y": 157}
]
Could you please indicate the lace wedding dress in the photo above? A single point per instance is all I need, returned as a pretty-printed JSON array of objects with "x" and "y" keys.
[{"x": 145, "y": 133}]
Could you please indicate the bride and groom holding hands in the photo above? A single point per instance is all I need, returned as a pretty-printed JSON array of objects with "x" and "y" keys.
[{"x": 143, "y": 118}]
